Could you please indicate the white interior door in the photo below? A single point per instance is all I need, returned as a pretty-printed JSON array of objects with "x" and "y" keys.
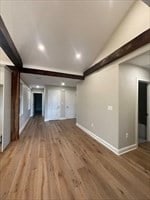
[
  {"x": 148, "y": 107},
  {"x": 70, "y": 104},
  {"x": 54, "y": 104}
]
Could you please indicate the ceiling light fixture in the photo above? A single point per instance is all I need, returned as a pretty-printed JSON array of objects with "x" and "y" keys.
[
  {"x": 62, "y": 83},
  {"x": 41, "y": 47},
  {"x": 37, "y": 86},
  {"x": 78, "y": 56}
]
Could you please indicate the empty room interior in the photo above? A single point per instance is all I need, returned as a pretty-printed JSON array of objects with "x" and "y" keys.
[{"x": 75, "y": 100}]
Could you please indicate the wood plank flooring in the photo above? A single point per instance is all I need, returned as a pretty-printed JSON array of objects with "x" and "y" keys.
[{"x": 57, "y": 161}]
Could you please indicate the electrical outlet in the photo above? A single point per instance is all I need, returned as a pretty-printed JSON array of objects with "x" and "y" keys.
[
  {"x": 110, "y": 108},
  {"x": 127, "y": 134}
]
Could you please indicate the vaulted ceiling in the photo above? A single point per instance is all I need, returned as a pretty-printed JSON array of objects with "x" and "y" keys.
[{"x": 71, "y": 33}]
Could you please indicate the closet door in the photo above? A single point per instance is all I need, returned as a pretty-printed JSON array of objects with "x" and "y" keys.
[
  {"x": 53, "y": 104},
  {"x": 70, "y": 104}
]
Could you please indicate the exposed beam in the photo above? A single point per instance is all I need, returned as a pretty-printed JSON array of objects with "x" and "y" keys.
[
  {"x": 8, "y": 45},
  {"x": 12, "y": 68},
  {"x": 147, "y": 2},
  {"x": 51, "y": 73},
  {"x": 129, "y": 47},
  {"x": 15, "y": 105}
]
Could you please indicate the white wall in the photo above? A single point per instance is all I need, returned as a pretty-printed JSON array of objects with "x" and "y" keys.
[
  {"x": 25, "y": 116},
  {"x": 1, "y": 74},
  {"x": 101, "y": 89},
  {"x": 57, "y": 105},
  {"x": 94, "y": 95},
  {"x": 128, "y": 88},
  {"x": 115, "y": 86},
  {"x": 6, "y": 109}
]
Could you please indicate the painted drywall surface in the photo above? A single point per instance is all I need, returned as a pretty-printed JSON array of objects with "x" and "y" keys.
[
  {"x": 7, "y": 109},
  {"x": 89, "y": 109},
  {"x": 24, "y": 117},
  {"x": 55, "y": 102},
  {"x": 94, "y": 95},
  {"x": 1, "y": 74},
  {"x": 134, "y": 23},
  {"x": 1, "y": 108},
  {"x": 128, "y": 76}
]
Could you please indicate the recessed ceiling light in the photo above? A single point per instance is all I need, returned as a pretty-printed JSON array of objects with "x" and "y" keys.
[
  {"x": 62, "y": 83},
  {"x": 78, "y": 56},
  {"x": 37, "y": 86},
  {"x": 110, "y": 3},
  {"x": 41, "y": 47}
]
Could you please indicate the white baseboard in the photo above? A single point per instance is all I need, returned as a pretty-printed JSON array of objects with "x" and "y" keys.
[
  {"x": 21, "y": 129},
  {"x": 106, "y": 144},
  {"x": 127, "y": 149},
  {"x": 61, "y": 118},
  {"x": 46, "y": 120}
]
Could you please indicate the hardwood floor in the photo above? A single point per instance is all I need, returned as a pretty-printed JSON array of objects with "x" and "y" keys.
[{"x": 56, "y": 160}]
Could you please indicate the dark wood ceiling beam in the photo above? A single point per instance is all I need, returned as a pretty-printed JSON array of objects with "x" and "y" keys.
[
  {"x": 129, "y": 47},
  {"x": 51, "y": 73},
  {"x": 8, "y": 45},
  {"x": 147, "y": 2}
]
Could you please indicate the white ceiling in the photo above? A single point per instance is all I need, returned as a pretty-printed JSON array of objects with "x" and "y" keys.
[
  {"x": 4, "y": 60},
  {"x": 142, "y": 60},
  {"x": 64, "y": 27},
  {"x": 33, "y": 80}
]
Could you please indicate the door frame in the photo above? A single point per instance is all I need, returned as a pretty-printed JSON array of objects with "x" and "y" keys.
[{"x": 136, "y": 108}]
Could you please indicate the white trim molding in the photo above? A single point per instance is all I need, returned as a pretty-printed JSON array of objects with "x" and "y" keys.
[
  {"x": 118, "y": 152},
  {"x": 127, "y": 149},
  {"x": 136, "y": 105},
  {"x": 61, "y": 118},
  {"x": 46, "y": 120}
]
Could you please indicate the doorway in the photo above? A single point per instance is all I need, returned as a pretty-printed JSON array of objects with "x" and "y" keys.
[
  {"x": 37, "y": 104},
  {"x": 143, "y": 110}
]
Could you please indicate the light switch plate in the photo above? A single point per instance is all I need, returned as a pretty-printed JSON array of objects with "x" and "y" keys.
[{"x": 110, "y": 108}]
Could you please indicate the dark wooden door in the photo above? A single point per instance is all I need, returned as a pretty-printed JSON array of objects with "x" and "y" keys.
[
  {"x": 143, "y": 103},
  {"x": 37, "y": 104}
]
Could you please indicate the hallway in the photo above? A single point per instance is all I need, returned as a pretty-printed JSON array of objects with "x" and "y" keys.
[{"x": 56, "y": 160}]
